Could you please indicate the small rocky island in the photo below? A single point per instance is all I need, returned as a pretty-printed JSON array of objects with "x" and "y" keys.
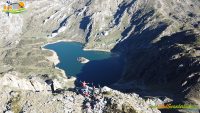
[{"x": 82, "y": 60}]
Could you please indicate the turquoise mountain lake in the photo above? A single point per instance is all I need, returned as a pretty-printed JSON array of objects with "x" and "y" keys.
[{"x": 104, "y": 68}]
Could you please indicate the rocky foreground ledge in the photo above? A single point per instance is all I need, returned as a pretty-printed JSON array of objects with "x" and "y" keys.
[{"x": 31, "y": 95}]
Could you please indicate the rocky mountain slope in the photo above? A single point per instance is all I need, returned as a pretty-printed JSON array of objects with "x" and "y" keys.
[{"x": 159, "y": 39}]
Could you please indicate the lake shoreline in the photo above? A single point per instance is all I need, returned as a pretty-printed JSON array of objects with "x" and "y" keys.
[
  {"x": 103, "y": 50},
  {"x": 103, "y": 64},
  {"x": 85, "y": 49},
  {"x": 55, "y": 58}
]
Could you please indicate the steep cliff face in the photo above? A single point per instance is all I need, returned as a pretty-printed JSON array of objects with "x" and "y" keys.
[{"x": 162, "y": 50}]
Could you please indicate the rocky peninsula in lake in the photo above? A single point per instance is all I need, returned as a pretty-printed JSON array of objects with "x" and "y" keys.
[{"x": 82, "y": 60}]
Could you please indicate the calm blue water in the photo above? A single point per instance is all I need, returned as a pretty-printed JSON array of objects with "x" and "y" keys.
[{"x": 104, "y": 68}]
